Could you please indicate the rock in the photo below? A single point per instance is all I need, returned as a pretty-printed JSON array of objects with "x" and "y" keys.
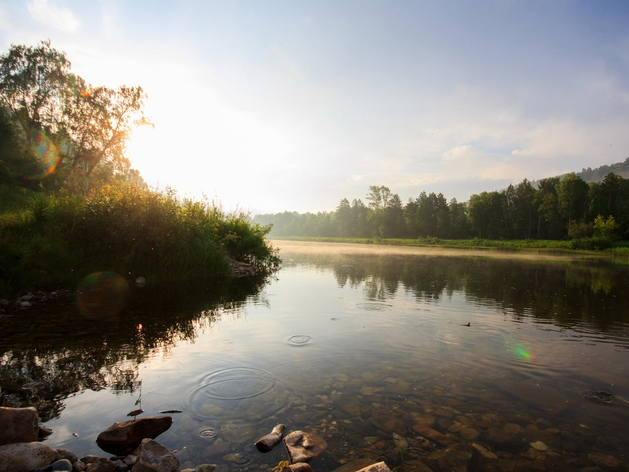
[
  {"x": 394, "y": 425},
  {"x": 69, "y": 455},
  {"x": 416, "y": 466},
  {"x": 62, "y": 465},
  {"x": 43, "y": 433},
  {"x": 215, "y": 450},
  {"x": 455, "y": 458},
  {"x": 101, "y": 465},
  {"x": 268, "y": 442},
  {"x": 355, "y": 465},
  {"x": 400, "y": 442},
  {"x": 300, "y": 467},
  {"x": 237, "y": 458},
  {"x": 124, "y": 436},
  {"x": 237, "y": 432},
  {"x": 205, "y": 468},
  {"x": 352, "y": 409},
  {"x": 604, "y": 461},
  {"x": 24, "y": 457},
  {"x": 431, "y": 434},
  {"x": 153, "y": 457},
  {"x": 484, "y": 452},
  {"x": 539, "y": 445},
  {"x": 502, "y": 440},
  {"x": 469, "y": 434},
  {"x": 19, "y": 425},
  {"x": 377, "y": 467},
  {"x": 303, "y": 447}
]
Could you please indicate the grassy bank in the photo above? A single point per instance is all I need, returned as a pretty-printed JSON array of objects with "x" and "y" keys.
[
  {"x": 55, "y": 240},
  {"x": 619, "y": 249}
]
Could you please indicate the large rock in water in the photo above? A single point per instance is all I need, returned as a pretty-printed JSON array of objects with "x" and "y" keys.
[
  {"x": 121, "y": 437},
  {"x": 24, "y": 457},
  {"x": 19, "y": 425},
  {"x": 303, "y": 447},
  {"x": 153, "y": 457}
]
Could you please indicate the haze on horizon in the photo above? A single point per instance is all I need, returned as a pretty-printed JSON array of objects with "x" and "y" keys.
[{"x": 278, "y": 105}]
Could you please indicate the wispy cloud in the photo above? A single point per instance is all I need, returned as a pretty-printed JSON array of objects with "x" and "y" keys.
[{"x": 51, "y": 15}]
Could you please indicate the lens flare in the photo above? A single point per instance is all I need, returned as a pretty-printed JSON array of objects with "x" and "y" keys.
[
  {"x": 522, "y": 353},
  {"x": 102, "y": 294},
  {"x": 46, "y": 157}
]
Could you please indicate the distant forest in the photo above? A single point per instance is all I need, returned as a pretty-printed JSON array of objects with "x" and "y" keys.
[{"x": 593, "y": 203}]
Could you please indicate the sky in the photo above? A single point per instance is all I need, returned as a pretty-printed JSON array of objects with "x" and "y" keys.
[{"x": 270, "y": 106}]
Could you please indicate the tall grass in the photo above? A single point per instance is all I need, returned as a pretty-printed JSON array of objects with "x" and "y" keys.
[{"x": 133, "y": 231}]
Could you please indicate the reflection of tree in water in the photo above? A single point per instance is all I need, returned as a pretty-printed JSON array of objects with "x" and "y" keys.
[
  {"x": 51, "y": 352},
  {"x": 564, "y": 292}
]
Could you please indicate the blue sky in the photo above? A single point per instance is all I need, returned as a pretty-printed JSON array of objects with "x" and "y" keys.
[{"x": 268, "y": 106}]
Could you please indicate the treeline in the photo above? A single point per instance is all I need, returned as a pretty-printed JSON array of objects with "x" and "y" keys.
[{"x": 555, "y": 208}]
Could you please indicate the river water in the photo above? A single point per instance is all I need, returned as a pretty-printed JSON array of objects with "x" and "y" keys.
[{"x": 386, "y": 353}]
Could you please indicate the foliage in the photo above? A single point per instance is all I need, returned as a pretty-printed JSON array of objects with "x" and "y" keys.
[
  {"x": 557, "y": 209},
  {"x": 60, "y": 130},
  {"x": 127, "y": 229}
]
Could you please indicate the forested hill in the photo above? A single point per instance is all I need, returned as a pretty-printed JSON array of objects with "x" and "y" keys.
[
  {"x": 563, "y": 207},
  {"x": 598, "y": 174}
]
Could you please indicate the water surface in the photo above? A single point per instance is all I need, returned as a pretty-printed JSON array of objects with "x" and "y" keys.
[{"x": 349, "y": 342}]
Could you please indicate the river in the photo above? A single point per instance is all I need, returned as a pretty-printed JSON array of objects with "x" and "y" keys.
[{"x": 362, "y": 345}]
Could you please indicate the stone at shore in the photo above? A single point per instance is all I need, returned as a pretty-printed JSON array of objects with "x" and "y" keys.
[
  {"x": 269, "y": 441},
  {"x": 303, "y": 447},
  {"x": 62, "y": 465},
  {"x": 377, "y": 467},
  {"x": 121, "y": 437},
  {"x": 24, "y": 457},
  {"x": 154, "y": 457},
  {"x": 19, "y": 425}
]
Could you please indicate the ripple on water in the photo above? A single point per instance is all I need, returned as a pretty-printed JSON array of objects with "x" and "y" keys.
[
  {"x": 374, "y": 306},
  {"x": 207, "y": 433},
  {"x": 299, "y": 340},
  {"x": 235, "y": 392}
]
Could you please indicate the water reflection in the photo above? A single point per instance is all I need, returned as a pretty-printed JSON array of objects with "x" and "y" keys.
[
  {"x": 565, "y": 292},
  {"x": 51, "y": 352}
]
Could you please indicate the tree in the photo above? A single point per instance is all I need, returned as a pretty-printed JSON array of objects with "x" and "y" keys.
[
  {"x": 549, "y": 221},
  {"x": 394, "y": 225},
  {"x": 97, "y": 123},
  {"x": 572, "y": 194},
  {"x": 343, "y": 219},
  {"x": 378, "y": 198},
  {"x": 459, "y": 221},
  {"x": 32, "y": 85},
  {"x": 64, "y": 123}
]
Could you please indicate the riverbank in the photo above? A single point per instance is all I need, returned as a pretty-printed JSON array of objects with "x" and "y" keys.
[{"x": 50, "y": 241}]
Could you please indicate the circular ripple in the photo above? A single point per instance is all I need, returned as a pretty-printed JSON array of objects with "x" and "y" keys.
[
  {"x": 238, "y": 383},
  {"x": 374, "y": 306},
  {"x": 299, "y": 340},
  {"x": 208, "y": 433}
]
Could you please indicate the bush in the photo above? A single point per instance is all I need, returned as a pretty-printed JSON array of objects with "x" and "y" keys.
[{"x": 129, "y": 230}]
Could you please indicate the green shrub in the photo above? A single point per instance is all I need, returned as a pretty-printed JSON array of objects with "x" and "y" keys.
[{"x": 127, "y": 229}]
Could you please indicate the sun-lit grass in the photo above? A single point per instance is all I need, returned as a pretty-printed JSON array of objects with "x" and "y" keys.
[{"x": 55, "y": 240}]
